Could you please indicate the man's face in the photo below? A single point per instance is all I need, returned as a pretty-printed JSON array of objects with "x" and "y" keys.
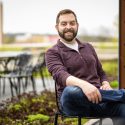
[{"x": 67, "y": 27}]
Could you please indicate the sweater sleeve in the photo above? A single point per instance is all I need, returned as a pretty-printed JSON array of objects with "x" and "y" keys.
[
  {"x": 56, "y": 66},
  {"x": 100, "y": 70}
]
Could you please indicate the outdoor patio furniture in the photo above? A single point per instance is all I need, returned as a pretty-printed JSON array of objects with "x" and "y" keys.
[
  {"x": 39, "y": 67},
  {"x": 18, "y": 76},
  {"x": 7, "y": 64},
  {"x": 30, "y": 72}
]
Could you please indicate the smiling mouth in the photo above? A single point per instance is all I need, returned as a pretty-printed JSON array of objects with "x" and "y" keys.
[{"x": 68, "y": 33}]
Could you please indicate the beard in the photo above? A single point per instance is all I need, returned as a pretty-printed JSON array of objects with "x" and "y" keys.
[{"x": 66, "y": 36}]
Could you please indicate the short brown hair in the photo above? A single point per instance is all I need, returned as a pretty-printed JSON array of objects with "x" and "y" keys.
[{"x": 65, "y": 11}]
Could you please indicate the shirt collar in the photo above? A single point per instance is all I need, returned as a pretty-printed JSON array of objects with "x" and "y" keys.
[{"x": 61, "y": 45}]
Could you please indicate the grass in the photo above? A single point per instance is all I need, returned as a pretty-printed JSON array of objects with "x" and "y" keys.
[
  {"x": 8, "y": 48},
  {"x": 41, "y": 117},
  {"x": 110, "y": 67},
  {"x": 106, "y": 45},
  {"x": 114, "y": 84}
]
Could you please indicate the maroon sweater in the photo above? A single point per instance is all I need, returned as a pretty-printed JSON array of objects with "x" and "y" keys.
[{"x": 63, "y": 61}]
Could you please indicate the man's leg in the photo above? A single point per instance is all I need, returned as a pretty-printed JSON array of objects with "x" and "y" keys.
[
  {"x": 74, "y": 102},
  {"x": 114, "y": 110},
  {"x": 113, "y": 95}
]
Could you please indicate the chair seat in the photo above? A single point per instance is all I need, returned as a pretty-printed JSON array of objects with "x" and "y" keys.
[{"x": 78, "y": 117}]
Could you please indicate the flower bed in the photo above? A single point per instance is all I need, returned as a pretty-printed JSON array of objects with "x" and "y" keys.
[{"x": 31, "y": 109}]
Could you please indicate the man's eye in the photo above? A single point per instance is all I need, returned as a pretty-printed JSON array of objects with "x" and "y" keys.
[
  {"x": 72, "y": 23},
  {"x": 63, "y": 24}
]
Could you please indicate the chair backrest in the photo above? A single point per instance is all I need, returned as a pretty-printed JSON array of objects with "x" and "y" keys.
[
  {"x": 40, "y": 62},
  {"x": 10, "y": 63},
  {"x": 41, "y": 57},
  {"x": 7, "y": 64},
  {"x": 24, "y": 60}
]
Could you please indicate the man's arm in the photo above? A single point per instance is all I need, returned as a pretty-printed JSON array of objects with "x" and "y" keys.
[
  {"x": 101, "y": 73},
  {"x": 56, "y": 66},
  {"x": 89, "y": 90}
]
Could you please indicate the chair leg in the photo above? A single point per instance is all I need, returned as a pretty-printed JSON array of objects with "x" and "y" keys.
[
  {"x": 4, "y": 82},
  {"x": 19, "y": 86},
  {"x": 33, "y": 83},
  {"x": 79, "y": 120},
  {"x": 56, "y": 119},
  {"x": 100, "y": 122},
  {"x": 42, "y": 78},
  {"x": 24, "y": 84},
  {"x": 11, "y": 87}
]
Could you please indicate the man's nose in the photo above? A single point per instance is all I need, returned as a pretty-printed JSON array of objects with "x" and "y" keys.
[{"x": 68, "y": 26}]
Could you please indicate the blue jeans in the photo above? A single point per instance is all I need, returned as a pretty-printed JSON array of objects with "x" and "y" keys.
[{"x": 74, "y": 102}]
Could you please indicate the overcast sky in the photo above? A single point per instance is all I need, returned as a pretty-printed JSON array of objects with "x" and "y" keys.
[{"x": 38, "y": 16}]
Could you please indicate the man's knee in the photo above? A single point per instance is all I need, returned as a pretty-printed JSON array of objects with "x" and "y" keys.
[
  {"x": 72, "y": 91},
  {"x": 74, "y": 101}
]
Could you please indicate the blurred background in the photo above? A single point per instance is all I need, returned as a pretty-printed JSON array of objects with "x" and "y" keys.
[{"x": 29, "y": 26}]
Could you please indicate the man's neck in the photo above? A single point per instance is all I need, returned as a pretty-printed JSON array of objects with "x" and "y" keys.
[
  {"x": 67, "y": 42},
  {"x": 72, "y": 44}
]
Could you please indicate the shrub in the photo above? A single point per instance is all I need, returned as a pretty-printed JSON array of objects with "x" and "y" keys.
[
  {"x": 114, "y": 84},
  {"x": 31, "y": 109},
  {"x": 41, "y": 117}
]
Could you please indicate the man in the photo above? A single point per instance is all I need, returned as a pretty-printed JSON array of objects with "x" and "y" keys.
[{"x": 82, "y": 85}]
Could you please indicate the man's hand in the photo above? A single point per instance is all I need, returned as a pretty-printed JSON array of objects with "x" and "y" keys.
[
  {"x": 92, "y": 93},
  {"x": 106, "y": 86}
]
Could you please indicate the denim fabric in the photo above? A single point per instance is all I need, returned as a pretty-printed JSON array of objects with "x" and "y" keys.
[
  {"x": 74, "y": 102},
  {"x": 113, "y": 95}
]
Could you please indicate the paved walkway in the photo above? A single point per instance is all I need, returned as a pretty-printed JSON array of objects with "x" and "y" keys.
[{"x": 39, "y": 88}]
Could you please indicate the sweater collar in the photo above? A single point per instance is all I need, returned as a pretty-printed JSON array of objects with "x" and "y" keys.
[{"x": 61, "y": 45}]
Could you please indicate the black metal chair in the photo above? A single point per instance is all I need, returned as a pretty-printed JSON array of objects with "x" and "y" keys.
[
  {"x": 60, "y": 113},
  {"x": 38, "y": 68},
  {"x": 7, "y": 65},
  {"x": 23, "y": 74},
  {"x": 19, "y": 74}
]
